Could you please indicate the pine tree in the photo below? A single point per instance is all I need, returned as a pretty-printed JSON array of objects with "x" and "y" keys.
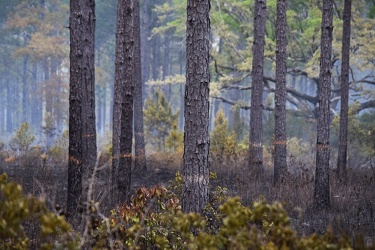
[
  {"x": 159, "y": 119},
  {"x": 82, "y": 131},
  {"x": 195, "y": 171},
  {"x": 280, "y": 167},
  {"x": 344, "y": 110},
  {"x": 256, "y": 149},
  {"x": 123, "y": 103},
  {"x": 321, "y": 191}
]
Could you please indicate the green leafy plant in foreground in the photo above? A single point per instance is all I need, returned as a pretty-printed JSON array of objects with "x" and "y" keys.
[
  {"x": 16, "y": 209},
  {"x": 154, "y": 220}
]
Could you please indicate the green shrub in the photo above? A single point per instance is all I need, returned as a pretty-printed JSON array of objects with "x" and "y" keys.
[
  {"x": 296, "y": 147},
  {"x": 361, "y": 135},
  {"x": 223, "y": 144},
  {"x": 22, "y": 139},
  {"x": 154, "y": 220},
  {"x": 16, "y": 209},
  {"x": 158, "y": 118},
  {"x": 59, "y": 151},
  {"x": 175, "y": 139}
]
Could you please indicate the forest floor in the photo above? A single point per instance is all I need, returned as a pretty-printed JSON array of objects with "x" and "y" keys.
[{"x": 352, "y": 205}]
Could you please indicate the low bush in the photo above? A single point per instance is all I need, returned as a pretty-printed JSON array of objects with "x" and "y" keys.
[
  {"x": 22, "y": 140},
  {"x": 154, "y": 220},
  {"x": 16, "y": 210}
]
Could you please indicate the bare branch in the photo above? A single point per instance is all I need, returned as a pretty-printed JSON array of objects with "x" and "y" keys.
[
  {"x": 299, "y": 113},
  {"x": 366, "y": 105},
  {"x": 231, "y": 102}
]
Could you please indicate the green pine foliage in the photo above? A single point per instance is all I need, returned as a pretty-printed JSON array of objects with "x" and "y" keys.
[
  {"x": 223, "y": 143},
  {"x": 361, "y": 131},
  {"x": 59, "y": 150},
  {"x": 22, "y": 140},
  {"x": 367, "y": 138},
  {"x": 175, "y": 139},
  {"x": 158, "y": 119}
]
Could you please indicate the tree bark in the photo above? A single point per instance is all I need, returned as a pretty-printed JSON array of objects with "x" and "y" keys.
[
  {"x": 321, "y": 191},
  {"x": 139, "y": 138},
  {"x": 256, "y": 150},
  {"x": 82, "y": 131},
  {"x": 344, "y": 109},
  {"x": 196, "y": 138},
  {"x": 123, "y": 102},
  {"x": 280, "y": 165}
]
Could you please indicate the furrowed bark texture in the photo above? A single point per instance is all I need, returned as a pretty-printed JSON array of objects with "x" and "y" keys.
[
  {"x": 344, "y": 109},
  {"x": 82, "y": 131},
  {"x": 321, "y": 191},
  {"x": 123, "y": 103},
  {"x": 280, "y": 165},
  {"x": 256, "y": 151},
  {"x": 196, "y": 137}
]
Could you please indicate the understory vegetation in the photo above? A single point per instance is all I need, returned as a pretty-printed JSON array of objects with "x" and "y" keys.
[
  {"x": 245, "y": 209},
  {"x": 154, "y": 220}
]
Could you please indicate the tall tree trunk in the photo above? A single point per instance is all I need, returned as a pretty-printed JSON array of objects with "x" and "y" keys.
[
  {"x": 9, "y": 117},
  {"x": 99, "y": 113},
  {"x": 182, "y": 91},
  {"x": 2, "y": 106},
  {"x": 321, "y": 192},
  {"x": 280, "y": 167},
  {"x": 196, "y": 138},
  {"x": 181, "y": 113},
  {"x": 140, "y": 156},
  {"x": 82, "y": 131},
  {"x": 2, "y": 111},
  {"x": 155, "y": 56},
  {"x": 145, "y": 45},
  {"x": 47, "y": 88},
  {"x": 104, "y": 109},
  {"x": 256, "y": 150},
  {"x": 36, "y": 104},
  {"x": 345, "y": 52},
  {"x": 112, "y": 100},
  {"x": 52, "y": 96},
  {"x": 25, "y": 92},
  {"x": 100, "y": 99},
  {"x": 16, "y": 116},
  {"x": 166, "y": 47},
  {"x": 123, "y": 102}
]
